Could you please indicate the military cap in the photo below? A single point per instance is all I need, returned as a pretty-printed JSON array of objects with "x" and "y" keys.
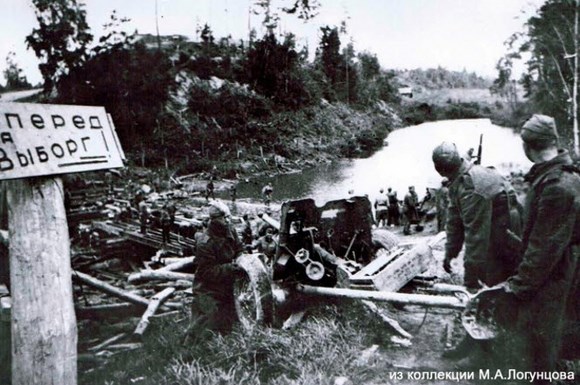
[
  {"x": 539, "y": 127},
  {"x": 218, "y": 209},
  {"x": 446, "y": 158}
]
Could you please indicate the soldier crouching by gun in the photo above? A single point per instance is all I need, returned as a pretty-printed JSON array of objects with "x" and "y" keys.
[{"x": 213, "y": 306}]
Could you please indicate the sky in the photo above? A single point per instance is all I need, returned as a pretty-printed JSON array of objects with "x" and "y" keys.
[{"x": 404, "y": 34}]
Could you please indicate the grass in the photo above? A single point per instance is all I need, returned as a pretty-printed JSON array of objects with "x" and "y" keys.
[{"x": 326, "y": 345}]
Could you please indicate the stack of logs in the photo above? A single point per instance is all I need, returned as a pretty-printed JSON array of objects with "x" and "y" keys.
[{"x": 148, "y": 293}]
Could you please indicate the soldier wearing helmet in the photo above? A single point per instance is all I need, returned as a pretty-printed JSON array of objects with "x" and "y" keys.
[
  {"x": 213, "y": 306},
  {"x": 482, "y": 208}
]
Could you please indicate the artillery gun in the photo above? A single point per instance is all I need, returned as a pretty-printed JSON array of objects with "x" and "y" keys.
[{"x": 334, "y": 251}]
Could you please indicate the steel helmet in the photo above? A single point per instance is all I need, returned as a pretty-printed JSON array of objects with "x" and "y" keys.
[{"x": 446, "y": 159}]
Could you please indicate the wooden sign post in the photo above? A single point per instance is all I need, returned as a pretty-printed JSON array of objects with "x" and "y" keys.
[{"x": 38, "y": 140}]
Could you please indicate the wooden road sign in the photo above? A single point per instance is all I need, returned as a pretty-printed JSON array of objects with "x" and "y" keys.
[
  {"x": 47, "y": 139},
  {"x": 38, "y": 142}
]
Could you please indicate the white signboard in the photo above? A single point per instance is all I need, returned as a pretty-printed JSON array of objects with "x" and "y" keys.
[{"x": 45, "y": 139}]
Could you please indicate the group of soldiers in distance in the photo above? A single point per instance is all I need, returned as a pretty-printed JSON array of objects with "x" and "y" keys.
[{"x": 392, "y": 212}]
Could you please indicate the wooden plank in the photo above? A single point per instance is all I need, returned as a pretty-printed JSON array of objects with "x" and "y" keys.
[{"x": 154, "y": 304}]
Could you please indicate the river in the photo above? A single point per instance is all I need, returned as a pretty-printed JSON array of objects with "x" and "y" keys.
[{"x": 405, "y": 160}]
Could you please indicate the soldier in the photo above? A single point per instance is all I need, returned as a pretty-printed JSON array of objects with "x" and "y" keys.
[
  {"x": 143, "y": 216},
  {"x": 267, "y": 191},
  {"x": 381, "y": 209},
  {"x": 267, "y": 245},
  {"x": 209, "y": 188},
  {"x": 543, "y": 284},
  {"x": 410, "y": 209},
  {"x": 213, "y": 305},
  {"x": 247, "y": 233},
  {"x": 394, "y": 213},
  {"x": 482, "y": 208}
]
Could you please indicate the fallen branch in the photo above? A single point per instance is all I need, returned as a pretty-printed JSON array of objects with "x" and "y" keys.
[
  {"x": 154, "y": 304},
  {"x": 159, "y": 275}
]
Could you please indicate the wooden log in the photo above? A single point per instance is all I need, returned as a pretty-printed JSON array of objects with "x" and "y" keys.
[
  {"x": 154, "y": 304},
  {"x": 44, "y": 330},
  {"x": 115, "y": 291},
  {"x": 178, "y": 265},
  {"x": 107, "y": 342},
  {"x": 402, "y": 298},
  {"x": 152, "y": 275},
  {"x": 110, "y": 289},
  {"x": 125, "y": 347}
]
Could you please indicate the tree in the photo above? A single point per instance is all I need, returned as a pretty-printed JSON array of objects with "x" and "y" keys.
[
  {"x": 328, "y": 56},
  {"x": 15, "y": 80},
  {"x": 275, "y": 70},
  {"x": 61, "y": 41},
  {"x": 505, "y": 85},
  {"x": 551, "y": 81},
  {"x": 131, "y": 83},
  {"x": 306, "y": 10}
]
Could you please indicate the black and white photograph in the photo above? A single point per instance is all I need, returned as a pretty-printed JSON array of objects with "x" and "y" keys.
[{"x": 289, "y": 192}]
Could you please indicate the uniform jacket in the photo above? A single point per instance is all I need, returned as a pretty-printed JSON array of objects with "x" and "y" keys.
[
  {"x": 551, "y": 238},
  {"x": 217, "y": 248},
  {"x": 410, "y": 202},
  {"x": 478, "y": 215},
  {"x": 544, "y": 280}
]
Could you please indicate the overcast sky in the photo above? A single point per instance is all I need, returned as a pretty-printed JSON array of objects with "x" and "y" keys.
[{"x": 455, "y": 34}]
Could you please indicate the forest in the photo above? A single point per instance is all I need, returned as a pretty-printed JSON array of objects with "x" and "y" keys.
[{"x": 180, "y": 95}]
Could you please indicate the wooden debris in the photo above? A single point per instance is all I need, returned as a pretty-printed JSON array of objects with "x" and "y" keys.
[
  {"x": 391, "y": 323},
  {"x": 125, "y": 347},
  {"x": 108, "y": 342},
  {"x": 154, "y": 304},
  {"x": 392, "y": 271},
  {"x": 178, "y": 265},
  {"x": 115, "y": 291},
  {"x": 159, "y": 275},
  {"x": 293, "y": 320}
]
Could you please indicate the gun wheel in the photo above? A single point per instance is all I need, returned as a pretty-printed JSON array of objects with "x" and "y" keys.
[{"x": 253, "y": 293}]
